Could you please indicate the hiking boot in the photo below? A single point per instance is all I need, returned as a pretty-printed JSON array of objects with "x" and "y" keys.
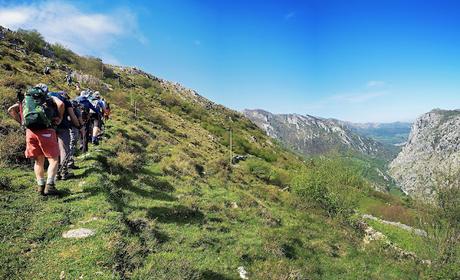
[
  {"x": 67, "y": 176},
  {"x": 41, "y": 189},
  {"x": 95, "y": 141},
  {"x": 50, "y": 189},
  {"x": 73, "y": 166}
]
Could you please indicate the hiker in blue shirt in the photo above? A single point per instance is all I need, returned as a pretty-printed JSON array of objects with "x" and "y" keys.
[
  {"x": 96, "y": 117},
  {"x": 86, "y": 106},
  {"x": 63, "y": 134}
]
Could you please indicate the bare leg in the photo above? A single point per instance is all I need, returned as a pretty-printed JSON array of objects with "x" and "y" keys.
[
  {"x": 39, "y": 167},
  {"x": 50, "y": 189},
  {"x": 53, "y": 167},
  {"x": 96, "y": 131}
]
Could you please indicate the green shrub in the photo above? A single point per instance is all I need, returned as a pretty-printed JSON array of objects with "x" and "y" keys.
[
  {"x": 267, "y": 172},
  {"x": 125, "y": 161},
  {"x": 33, "y": 39},
  {"x": 331, "y": 185},
  {"x": 179, "y": 165},
  {"x": 442, "y": 224},
  {"x": 63, "y": 53}
]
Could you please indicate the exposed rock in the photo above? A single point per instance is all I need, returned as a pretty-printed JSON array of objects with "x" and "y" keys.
[
  {"x": 314, "y": 136},
  {"x": 433, "y": 148},
  {"x": 87, "y": 79},
  {"x": 237, "y": 158},
  {"x": 370, "y": 235},
  {"x": 2, "y": 33},
  {"x": 243, "y": 273},
  {"x": 78, "y": 233},
  {"x": 416, "y": 231}
]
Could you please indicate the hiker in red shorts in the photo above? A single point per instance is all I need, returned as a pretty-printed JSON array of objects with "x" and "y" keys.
[{"x": 40, "y": 114}]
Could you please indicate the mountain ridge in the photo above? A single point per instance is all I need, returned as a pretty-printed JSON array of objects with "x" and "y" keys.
[{"x": 312, "y": 135}]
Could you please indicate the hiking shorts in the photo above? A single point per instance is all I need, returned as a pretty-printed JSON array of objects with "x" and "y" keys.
[{"x": 42, "y": 142}]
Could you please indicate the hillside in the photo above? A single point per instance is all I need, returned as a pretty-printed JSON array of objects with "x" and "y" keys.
[
  {"x": 162, "y": 200},
  {"x": 432, "y": 150}
]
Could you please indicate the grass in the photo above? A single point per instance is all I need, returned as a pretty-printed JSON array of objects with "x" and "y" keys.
[{"x": 404, "y": 239}]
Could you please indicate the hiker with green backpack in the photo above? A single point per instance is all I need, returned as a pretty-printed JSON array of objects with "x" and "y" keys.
[{"x": 39, "y": 114}]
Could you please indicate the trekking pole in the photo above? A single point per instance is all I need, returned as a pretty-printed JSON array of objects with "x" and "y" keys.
[{"x": 231, "y": 145}]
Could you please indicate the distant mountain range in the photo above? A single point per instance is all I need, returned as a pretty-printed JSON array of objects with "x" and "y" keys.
[
  {"x": 312, "y": 136},
  {"x": 395, "y": 133}
]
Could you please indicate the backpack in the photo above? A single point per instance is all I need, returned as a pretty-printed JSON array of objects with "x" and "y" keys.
[
  {"x": 83, "y": 106},
  {"x": 37, "y": 114},
  {"x": 97, "y": 104}
]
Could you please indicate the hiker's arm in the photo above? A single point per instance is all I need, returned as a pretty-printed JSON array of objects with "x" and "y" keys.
[
  {"x": 61, "y": 108},
  {"x": 14, "y": 112},
  {"x": 73, "y": 117},
  {"x": 80, "y": 120}
]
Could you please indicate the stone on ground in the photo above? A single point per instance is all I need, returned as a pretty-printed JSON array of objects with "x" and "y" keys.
[{"x": 78, "y": 233}]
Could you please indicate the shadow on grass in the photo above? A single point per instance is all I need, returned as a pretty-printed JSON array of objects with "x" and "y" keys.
[
  {"x": 176, "y": 214},
  {"x": 211, "y": 275},
  {"x": 86, "y": 173},
  {"x": 153, "y": 194}
]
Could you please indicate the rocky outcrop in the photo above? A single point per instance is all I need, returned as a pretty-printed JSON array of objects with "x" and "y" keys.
[
  {"x": 432, "y": 151},
  {"x": 311, "y": 136}
]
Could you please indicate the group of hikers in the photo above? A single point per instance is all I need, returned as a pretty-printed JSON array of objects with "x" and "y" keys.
[{"x": 55, "y": 124}]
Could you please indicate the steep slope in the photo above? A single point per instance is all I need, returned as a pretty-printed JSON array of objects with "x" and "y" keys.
[
  {"x": 387, "y": 133},
  {"x": 161, "y": 196},
  {"x": 432, "y": 151},
  {"x": 311, "y": 136}
]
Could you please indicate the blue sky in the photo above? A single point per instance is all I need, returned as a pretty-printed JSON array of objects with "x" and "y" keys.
[{"x": 361, "y": 61}]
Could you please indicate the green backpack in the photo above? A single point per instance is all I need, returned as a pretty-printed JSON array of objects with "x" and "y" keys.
[{"x": 35, "y": 110}]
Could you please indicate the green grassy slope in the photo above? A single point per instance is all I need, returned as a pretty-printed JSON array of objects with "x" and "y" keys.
[{"x": 162, "y": 197}]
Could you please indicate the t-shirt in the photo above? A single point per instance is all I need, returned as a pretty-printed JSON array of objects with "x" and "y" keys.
[{"x": 66, "y": 122}]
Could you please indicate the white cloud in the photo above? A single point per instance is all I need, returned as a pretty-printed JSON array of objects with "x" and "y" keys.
[
  {"x": 358, "y": 97},
  {"x": 375, "y": 84},
  {"x": 62, "y": 22}
]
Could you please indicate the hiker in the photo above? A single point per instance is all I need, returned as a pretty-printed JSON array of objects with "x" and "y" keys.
[
  {"x": 96, "y": 117},
  {"x": 106, "y": 113},
  {"x": 68, "y": 78},
  {"x": 63, "y": 132},
  {"x": 76, "y": 133},
  {"x": 40, "y": 113},
  {"x": 86, "y": 106}
]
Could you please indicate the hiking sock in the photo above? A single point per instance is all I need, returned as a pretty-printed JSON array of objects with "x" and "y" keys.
[
  {"x": 41, "y": 181},
  {"x": 51, "y": 180}
]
